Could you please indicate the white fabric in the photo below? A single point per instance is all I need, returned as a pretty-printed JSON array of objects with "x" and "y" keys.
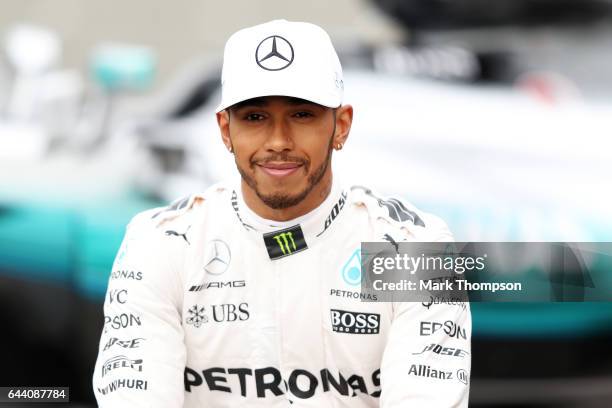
[
  {"x": 305, "y": 64},
  {"x": 266, "y": 337}
]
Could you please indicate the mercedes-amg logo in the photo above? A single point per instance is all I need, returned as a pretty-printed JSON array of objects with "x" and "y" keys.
[
  {"x": 219, "y": 257},
  {"x": 274, "y": 53}
]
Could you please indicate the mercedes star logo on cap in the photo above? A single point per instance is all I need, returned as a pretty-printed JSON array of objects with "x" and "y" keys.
[{"x": 274, "y": 53}]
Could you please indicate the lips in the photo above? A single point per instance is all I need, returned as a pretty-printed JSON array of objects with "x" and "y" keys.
[{"x": 280, "y": 169}]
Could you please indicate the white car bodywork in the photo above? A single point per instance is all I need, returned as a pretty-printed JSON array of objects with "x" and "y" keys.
[{"x": 496, "y": 163}]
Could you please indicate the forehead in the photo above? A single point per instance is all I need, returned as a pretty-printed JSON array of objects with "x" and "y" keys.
[{"x": 265, "y": 101}]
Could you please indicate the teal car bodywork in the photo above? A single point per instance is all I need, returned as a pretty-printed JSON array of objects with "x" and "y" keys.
[
  {"x": 75, "y": 245},
  {"x": 66, "y": 244}
]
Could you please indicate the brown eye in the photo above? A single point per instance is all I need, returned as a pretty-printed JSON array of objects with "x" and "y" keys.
[
  {"x": 301, "y": 115},
  {"x": 253, "y": 117}
]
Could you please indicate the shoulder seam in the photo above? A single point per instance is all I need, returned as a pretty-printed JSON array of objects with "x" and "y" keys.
[{"x": 395, "y": 208}]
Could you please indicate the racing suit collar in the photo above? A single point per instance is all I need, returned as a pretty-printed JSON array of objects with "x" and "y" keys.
[{"x": 313, "y": 224}]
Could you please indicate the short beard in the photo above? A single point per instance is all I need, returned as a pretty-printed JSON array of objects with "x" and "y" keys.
[{"x": 283, "y": 201}]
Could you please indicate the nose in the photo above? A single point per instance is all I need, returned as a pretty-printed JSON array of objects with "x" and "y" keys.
[{"x": 279, "y": 137}]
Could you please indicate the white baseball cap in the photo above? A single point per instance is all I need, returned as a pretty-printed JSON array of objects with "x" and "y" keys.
[{"x": 281, "y": 58}]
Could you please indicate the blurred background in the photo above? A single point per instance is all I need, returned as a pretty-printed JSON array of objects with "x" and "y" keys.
[{"x": 494, "y": 114}]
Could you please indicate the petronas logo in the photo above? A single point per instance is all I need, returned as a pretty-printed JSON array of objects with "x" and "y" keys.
[
  {"x": 351, "y": 271},
  {"x": 285, "y": 242}
]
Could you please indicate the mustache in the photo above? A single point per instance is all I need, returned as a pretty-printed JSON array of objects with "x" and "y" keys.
[{"x": 282, "y": 157}]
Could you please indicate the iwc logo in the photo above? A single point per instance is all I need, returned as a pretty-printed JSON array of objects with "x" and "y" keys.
[
  {"x": 218, "y": 257},
  {"x": 274, "y": 53}
]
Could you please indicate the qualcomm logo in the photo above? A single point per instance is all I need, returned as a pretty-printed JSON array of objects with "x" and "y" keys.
[{"x": 351, "y": 271}]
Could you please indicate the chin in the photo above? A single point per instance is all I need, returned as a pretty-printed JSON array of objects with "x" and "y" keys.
[
  {"x": 281, "y": 193},
  {"x": 284, "y": 187},
  {"x": 282, "y": 199}
]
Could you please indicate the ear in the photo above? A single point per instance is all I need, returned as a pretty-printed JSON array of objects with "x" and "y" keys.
[
  {"x": 223, "y": 121},
  {"x": 344, "y": 120}
]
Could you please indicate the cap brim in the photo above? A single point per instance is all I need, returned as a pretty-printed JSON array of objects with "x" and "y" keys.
[{"x": 330, "y": 101}]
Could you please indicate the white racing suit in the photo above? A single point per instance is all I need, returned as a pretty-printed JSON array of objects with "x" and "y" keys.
[{"x": 209, "y": 305}]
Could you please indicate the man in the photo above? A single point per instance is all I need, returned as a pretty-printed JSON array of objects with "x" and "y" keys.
[{"x": 248, "y": 294}]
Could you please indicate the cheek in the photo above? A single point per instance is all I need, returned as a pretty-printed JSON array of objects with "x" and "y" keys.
[
  {"x": 245, "y": 143},
  {"x": 242, "y": 157},
  {"x": 315, "y": 143}
]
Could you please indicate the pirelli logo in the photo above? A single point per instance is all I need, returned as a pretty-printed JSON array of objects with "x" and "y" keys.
[{"x": 285, "y": 242}]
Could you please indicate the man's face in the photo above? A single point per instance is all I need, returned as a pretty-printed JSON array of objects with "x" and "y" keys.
[{"x": 282, "y": 146}]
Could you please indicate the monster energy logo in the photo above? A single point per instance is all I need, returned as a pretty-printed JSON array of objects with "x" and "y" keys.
[{"x": 285, "y": 242}]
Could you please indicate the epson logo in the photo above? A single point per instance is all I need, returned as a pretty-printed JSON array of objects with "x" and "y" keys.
[
  {"x": 344, "y": 321},
  {"x": 218, "y": 285},
  {"x": 450, "y": 328},
  {"x": 121, "y": 321}
]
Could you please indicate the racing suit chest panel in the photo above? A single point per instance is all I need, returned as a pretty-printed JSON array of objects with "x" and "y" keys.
[
  {"x": 301, "y": 315},
  {"x": 234, "y": 298},
  {"x": 355, "y": 329},
  {"x": 346, "y": 337}
]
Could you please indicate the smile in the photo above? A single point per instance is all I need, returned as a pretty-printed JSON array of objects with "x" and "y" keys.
[{"x": 279, "y": 169}]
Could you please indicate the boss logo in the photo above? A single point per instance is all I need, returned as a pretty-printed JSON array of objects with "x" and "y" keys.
[
  {"x": 344, "y": 321},
  {"x": 334, "y": 212}
]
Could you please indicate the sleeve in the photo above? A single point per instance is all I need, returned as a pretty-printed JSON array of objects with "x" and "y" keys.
[
  {"x": 427, "y": 359},
  {"x": 141, "y": 356}
]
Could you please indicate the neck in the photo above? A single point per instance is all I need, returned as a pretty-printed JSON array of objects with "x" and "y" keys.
[{"x": 314, "y": 199}]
